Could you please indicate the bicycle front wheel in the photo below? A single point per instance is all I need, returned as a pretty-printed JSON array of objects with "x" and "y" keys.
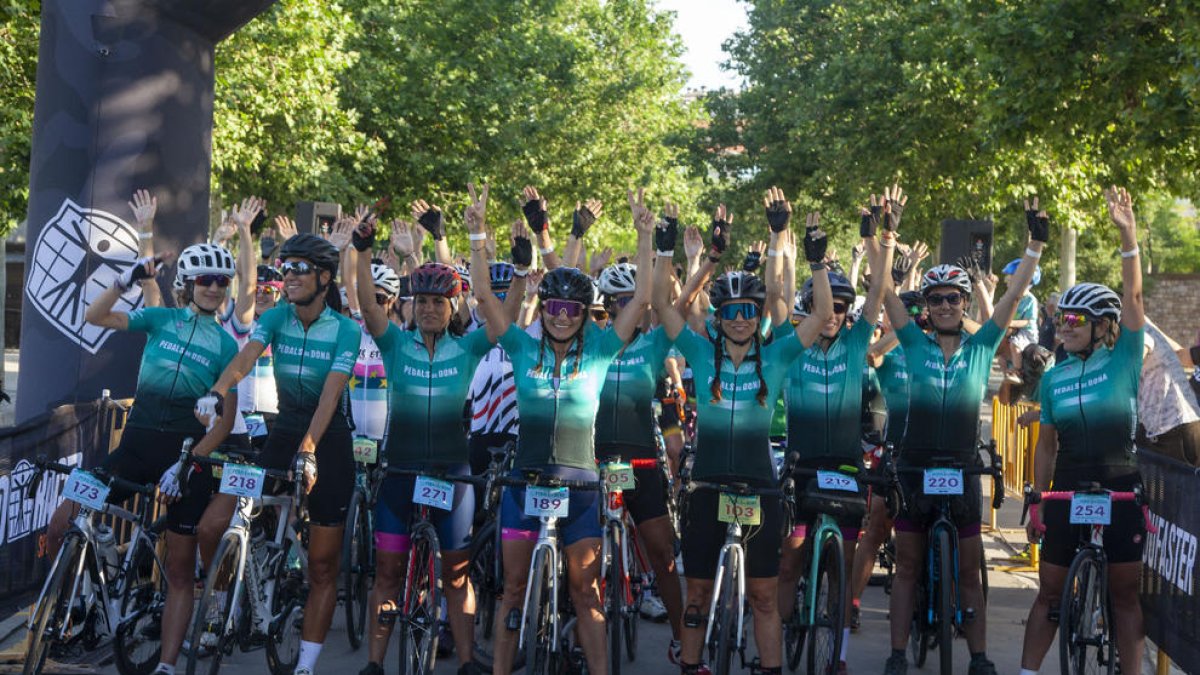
[
  {"x": 825, "y": 633},
  {"x": 616, "y": 603},
  {"x": 287, "y": 613},
  {"x": 725, "y": 622},
  {"x": 795, "y": 630},
  {"x": 422, "y": 603},
  {"x": 540, "y": 655},
  {"x": 53, "y": 613},
  {"x": 1085, "y": 619},
  {"x": 356, "y": 556},
  {"x": 946, "y": 592},
  {"x": 137, "y": 644},
  {"x": 212, "y": 630}
]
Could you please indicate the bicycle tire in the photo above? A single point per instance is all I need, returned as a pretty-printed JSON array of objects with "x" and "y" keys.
[
  {"x": 224, "y": 570},
  {"x": 629, "y": 621},
  {"x": 614, "y": 598},
  {"x": 918, "y": 643},
  {"x": 726, "y": 619},
  {"x": 946, "y": 592},
  {"x": 483, "y": 579},
  {"x": 287, "y": 614},
  {"x": 983, "y": 571},
  {"x": 794, "y": 630},
  {"x": 422, "y": 599},
  {"x": 825, "y": 634},
  {"x": 356, "y": 539},
  {"x": 1085, "y": 619},
  {"x": 54, "y": 608},
  {"x": 142, "y": 600},
  {"x": 539, "y": 652}
]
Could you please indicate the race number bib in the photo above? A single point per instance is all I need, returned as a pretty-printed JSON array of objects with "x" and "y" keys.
[
  {"x": 242, "y": 480},
  {"x": 544, "y": 501},
  {"x": 366, "y": 450},
  {"x": 619, "y": 476},
  {"x": 1091, "y": 509},
  {"x": 943, "y": 482},
  {"x": 432, "y": 492},
  {"x": 256, "y": 426},
  {"x": 833, "y": 480},
  {"x": 84, "y": 488},
  {"x": 738, "y": 509}
]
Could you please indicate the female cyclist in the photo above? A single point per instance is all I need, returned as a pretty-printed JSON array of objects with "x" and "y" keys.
[
  {"x": 314, "y": 351},
  {"x": 429, "y": 366},
  {"x": 558, "y": 379},
  {"x": 745, "y": 377},
  {"x": 1089, "y": 403}
]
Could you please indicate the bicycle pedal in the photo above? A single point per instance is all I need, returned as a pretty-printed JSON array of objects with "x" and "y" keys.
[{"x": 387, "y": 617}]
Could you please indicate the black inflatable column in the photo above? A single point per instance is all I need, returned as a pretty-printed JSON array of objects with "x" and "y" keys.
[{"x": 124, "y": 101}]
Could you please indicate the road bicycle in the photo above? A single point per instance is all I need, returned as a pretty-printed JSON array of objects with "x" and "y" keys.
[
  {"x": 486, "y": 567},
  {"x": 91, "y": 592},
  {"x": 358, "y": 540},
  {"x": 1085, "y": 615}
]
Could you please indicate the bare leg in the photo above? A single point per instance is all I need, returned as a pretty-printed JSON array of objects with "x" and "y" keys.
[
  {"x": 768, "y": 629},
  {"x": 460, "y": 601},
  {"x": 583, "y": 578},
  {"x": 659, "y": 539},
  {"x": 324, "y": 560},
  {"x": 699, "y": 596},
  {"x": 970, "y": 586},
  {"x": 1123, "y": 579},
  {"x": 181, "y": 576},
  {"x": 1039, "y": 631},
  {"x": 910, "y": 553},
  {"x": 517, "y": 554},
  {"x": 389, "y": 573}
]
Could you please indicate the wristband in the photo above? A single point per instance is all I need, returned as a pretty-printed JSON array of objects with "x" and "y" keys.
[
  {"x": 145, "y": 235},
  {"x": 772, "y": 253},
  {"x": 1038, "y": 254},
  {"x": 666, "y": 254},
  {"x": 817, "y": 266},
  {"x": 546, "y": 251},
  {"x": 477, "y": 236},
  {"x": 518, "y": 272},
  {"x": 1131, "y": 253}
]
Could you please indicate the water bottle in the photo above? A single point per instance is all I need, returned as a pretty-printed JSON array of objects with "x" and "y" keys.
[{"x": 107, "y": 550}]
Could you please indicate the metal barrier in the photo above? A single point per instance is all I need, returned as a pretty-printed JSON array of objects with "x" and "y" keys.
[{"x": 1014, "y": 443}]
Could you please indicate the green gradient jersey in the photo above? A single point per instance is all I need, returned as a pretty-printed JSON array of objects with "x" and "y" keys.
[
  {"x": 626, "y": 417},
  {"x": 733, "y": 434},
  {"x": 426, "y": 394},
  {"x": 944, "y": 398},
  {"x": 184, "y": 355},
  {"x": 1092, "y": 404},
  {"x": 304, "y": 358},
  {"x": 825, "y": 396},
  {"x": 893, "y": 378},
  {"x": 558, "y": 414}
]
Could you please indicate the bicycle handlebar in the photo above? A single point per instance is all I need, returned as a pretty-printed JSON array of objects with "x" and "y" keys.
[
  {"x": 439, "y": 475},
  {"x": 740, "y": 489},
  {"x": 1033, "y": 498},
  {"x": 277, "y": 474},
  {"x": 540, "y": 480},
  {"x": 111, "y": 481}
]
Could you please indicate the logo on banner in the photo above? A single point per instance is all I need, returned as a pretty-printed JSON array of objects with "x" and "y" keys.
[
  {"x": 78, "y": 254},
  {"x": 1171, "y": 552},
  {"x": 22, "y": 513}
]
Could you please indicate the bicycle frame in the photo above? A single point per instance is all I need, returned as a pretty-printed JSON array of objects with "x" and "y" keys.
[
  {"x": 826, "y": 528},
  {"x": 547, "y": 541},
  {"x": 732, "y": 548},
  {"x": 942, "y": 522}
]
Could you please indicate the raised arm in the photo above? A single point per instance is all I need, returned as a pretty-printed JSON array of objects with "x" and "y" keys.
[
  {"x": 881, "y": 248},
  {"x": 374, "y": 316},
  {"x": 100, "y": 312},
  {"x": 629, "y": 320},
  {"x": 534, "y": 207},
  {"x": 431, "y": 219},
  {"x": 1038, "y": 222},
  {"x": 779, "y": 218},
  {"x": 665, "y": 235},
  {"x": 247, "y": 273},
  {"x": 489, "y": 306},
  {"x": 815, "y": 245},
  {"x": 1120, "y": 209}
]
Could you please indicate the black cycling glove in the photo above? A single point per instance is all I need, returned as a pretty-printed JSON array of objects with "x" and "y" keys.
[
  {"x": 535, "y": 215},
  {"x": 434, "y": 222}
]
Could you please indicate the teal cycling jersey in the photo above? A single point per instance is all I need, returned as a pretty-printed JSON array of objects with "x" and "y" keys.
[
  {"x": 944, "y": 397},
  {"x": 893, "y": 379},
  {"x": 825, "y": 396},
  {"x": 558, "y": 410},
  {"x": 733, "y": 434},
  {"x": 426, "y": 394},
  {"x": 303, "y": 358},
  {"x": 184, "y": 355},
  {"x": 1092, "y": 404},
  {"x": 626, "y": 417}
]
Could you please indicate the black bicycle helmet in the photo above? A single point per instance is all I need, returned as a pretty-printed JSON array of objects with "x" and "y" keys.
[
  {"x": 913, "y": 299},
  {"x": 269, "y": 275},
  {"x": 840, "y": 286},
  {"x": 566, "y": 283},
  {"x": 737, "y": 286},
  {"x": 312, "y": 248}
]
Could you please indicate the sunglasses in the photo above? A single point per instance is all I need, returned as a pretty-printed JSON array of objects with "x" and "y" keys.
[
  {"x": 267, "y": 290},
  {"x": 555, "y": 307},
  {"x": 730, "y": 311},
  {"x": 1072, "y": 319},
  {"x": 299, "y": 268},
  {"x": 206, "y": 280},
  {"x": 383, "y": 299},
  {"x": 840, "y": 307},
  {"x": 953, "y": 299},
  {"x": 599, "y": 315},
  {"x": 501, "y": 295}
]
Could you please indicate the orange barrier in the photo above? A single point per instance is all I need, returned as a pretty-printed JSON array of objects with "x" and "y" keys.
[{"x": 1014, "y": 443}]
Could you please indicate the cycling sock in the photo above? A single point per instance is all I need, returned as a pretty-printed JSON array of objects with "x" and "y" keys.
[
  {"x": 309, "y": 651},
  {"x": 857, "y": 602},
  {"x": 978, "y": 656},
  {"x": 900, "y": 653},
  {"x": 1026, "y": 671},
  {"x": 845, "y": 643},
  {"x": 169, "y": 669}
]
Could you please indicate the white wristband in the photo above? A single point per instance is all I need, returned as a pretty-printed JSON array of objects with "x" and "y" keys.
[
  {"x": 666, "y": 254},
  {"x": 145, "y": 235},
  {"x": 772, "y": 253},
  {"x": 546, "y": 251},
  {"x": 477, "y": 236},
  {"x": 1131, "y": 253},
  {"x": 518, "y": 272},
  {"x": 1032, "y": 253}
]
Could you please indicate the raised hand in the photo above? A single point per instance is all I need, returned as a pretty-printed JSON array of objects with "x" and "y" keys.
[
  {"x": 721, "y": 222},
  {"x": 429, "y": 217},
  {"x": 693, "y": 242},
  {"x": 722, "y": 219},
  {"x": 287, "y": 228},
  {"x": 900, "y": 267},
  {"x": 754, "y": 256},
  {"x": 815, "y": 241},
  {"x": 894, "y": 201},
  {"x": 402, "y": 238},
  {"x": 1038, "y": 221},
  {"x": 342, "y": 232},
  {"x": 667, "y": 232},
  {"x": 144, "y": 207},
  {"x": 242, "y": 215},
  {"x": 779, "y": 209},
  {"x": 599, "y": 261},
  {"x": 918, "y": 252},
  {"x": 1120, "y": 208},
  {"x": 585, "y": 216},
  {"x": 637, "y": 203},
  {"x": 226, "y": 229},
  {"x": 521, "y": 246},
  {"x": 361, "y": 213},
  {"x": 475, "y": 215},
  {"x": 534, "y": 208},
  {"x": 363, "y": 237}
]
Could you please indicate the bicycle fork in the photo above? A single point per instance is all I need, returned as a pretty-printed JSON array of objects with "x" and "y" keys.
[
  {"x": 545, "y": 543},
  {"x": 731, "y": 549}
]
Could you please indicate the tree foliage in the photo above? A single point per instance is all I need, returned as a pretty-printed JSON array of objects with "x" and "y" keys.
[{"x": 20, "y": 25}]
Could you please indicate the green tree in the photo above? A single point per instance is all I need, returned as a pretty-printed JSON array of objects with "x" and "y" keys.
[{"x": 20, "y": 24}]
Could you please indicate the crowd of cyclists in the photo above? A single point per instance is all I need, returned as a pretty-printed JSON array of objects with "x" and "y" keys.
[{"x": 326, "y": 354}]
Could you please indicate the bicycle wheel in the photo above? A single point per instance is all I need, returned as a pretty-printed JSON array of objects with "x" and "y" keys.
[
  {"x": 1085, "y": 629},
  {"x": 725, "y": 622},
  {"x": 355, "y": 575},
  {"x": 540, "y": 655},
  {"x": 825, "y": 634},
  {"x": 137, "y": 644},
  {"x": 946, "y": 592},
  {"x": 794, "y": 630},
  {"x": 53, "y": 613},
  {"x": 482, "y": 570},
  {"x": 635, "y": 578},
  {"x": 222, "y": 587},
  {"x": 287, "y": 614},
  {"x": 422, "y": 603},
  {"x": 616, "y": 604}
]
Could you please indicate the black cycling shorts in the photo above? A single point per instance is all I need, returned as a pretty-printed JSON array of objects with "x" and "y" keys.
[
  {"x": 330, "y": 496},
  {"x": 649, "y": 499},
  {"x": 703, "y": 536},
  {"x": 847, "y": 509},
  {"x": 143, "y": 456},
  {"x": 919, "y": 512},
  {"x": 1124, "y": 538}
]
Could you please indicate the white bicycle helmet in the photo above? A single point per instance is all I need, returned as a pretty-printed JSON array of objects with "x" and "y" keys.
[
  {"x": 199, "y": 259},
  {"x": 1094, "y": 299},
  {"x": 798, "y": 307},
  {"x": 597, "y": 296},
  {"x": 464, "y": 274},
  {"x": 386, "y": 278},
  {"x": 946, "y": 275},
  {"x": 619, "y": 278}
]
